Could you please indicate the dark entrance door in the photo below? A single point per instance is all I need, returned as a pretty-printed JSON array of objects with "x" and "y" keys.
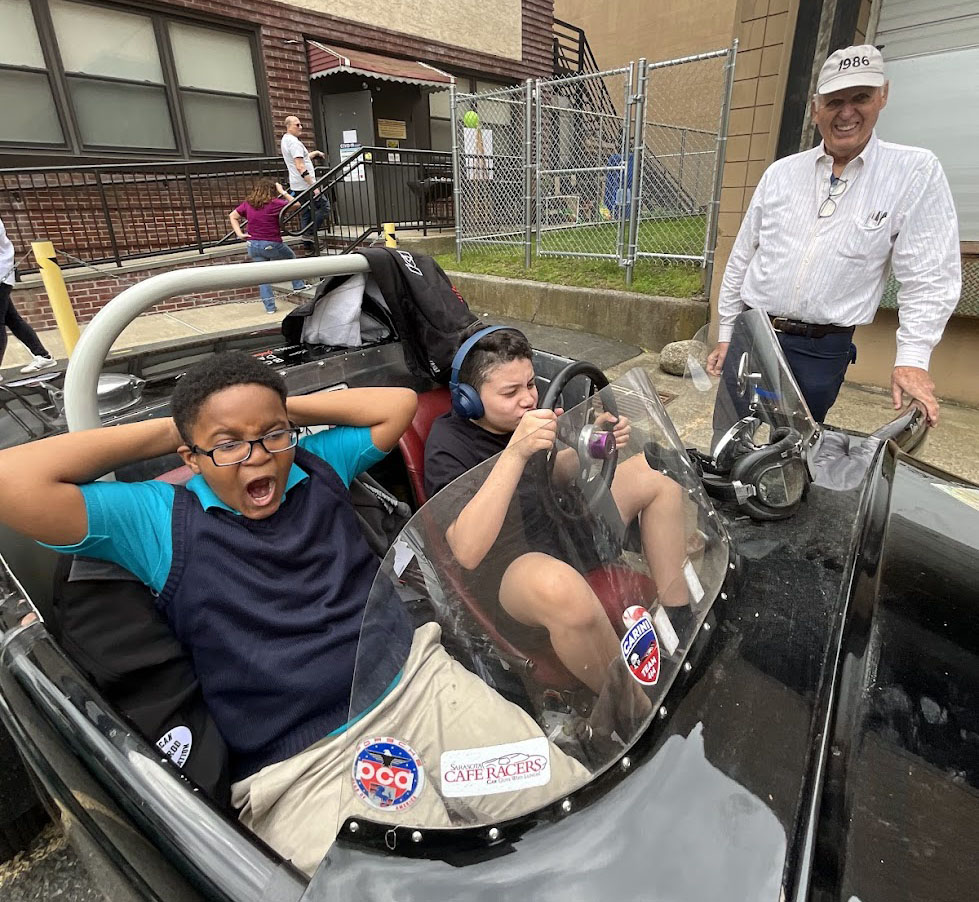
[{"x": 349, "y": 122}]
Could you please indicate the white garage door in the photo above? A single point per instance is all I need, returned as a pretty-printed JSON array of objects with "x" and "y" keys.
[{"x": 931, "y": 48}]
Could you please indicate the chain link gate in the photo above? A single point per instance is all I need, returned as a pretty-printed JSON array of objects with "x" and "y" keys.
[
  {"x": 584, "y": 164},
  {"x": 491, "y": 154},
  {"x": 620, "y": 165},
  {"x": 684, "y": 136}
]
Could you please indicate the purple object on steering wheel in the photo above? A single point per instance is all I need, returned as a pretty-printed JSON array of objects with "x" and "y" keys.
[{"x": 601, "y": 445}]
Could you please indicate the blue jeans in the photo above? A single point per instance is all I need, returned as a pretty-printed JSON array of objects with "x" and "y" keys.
[
  {"x": 271, "y": 250},
  {"x": 322, "y": 207}
]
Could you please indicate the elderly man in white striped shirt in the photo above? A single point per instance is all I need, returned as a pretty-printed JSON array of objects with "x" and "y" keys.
[{"x": 822, "y": 227}]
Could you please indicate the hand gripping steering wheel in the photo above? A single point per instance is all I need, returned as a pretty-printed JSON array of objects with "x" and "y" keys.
[{"x": 593, "y": 444}]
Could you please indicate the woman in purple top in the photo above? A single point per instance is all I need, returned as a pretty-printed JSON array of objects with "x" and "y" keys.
[{"x": 261, "y": 211}]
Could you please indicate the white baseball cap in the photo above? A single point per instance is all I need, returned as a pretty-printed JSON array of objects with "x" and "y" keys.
[{"x": 851, "y": 67}]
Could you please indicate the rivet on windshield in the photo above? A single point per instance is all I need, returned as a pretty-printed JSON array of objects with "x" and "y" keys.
[
  {"x": 566, "y": 806},
  {"x": 687, "y": 666},
  {"x": 706, "y": 627},
  {"x": 416, "y": 836},
  {"x": 494, "y": 834},
  {"x": 662, "y": 711},
  {"x": 626, "y": 763},
  {"x": 710, "y": 513},
  {"x": 354, "y": 827},
  {"x": 724, "y": 596},
  {"x": 730, "y": 566}
]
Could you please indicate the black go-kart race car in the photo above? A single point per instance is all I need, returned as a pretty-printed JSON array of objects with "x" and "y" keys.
[{"x": 809, "y": 728}]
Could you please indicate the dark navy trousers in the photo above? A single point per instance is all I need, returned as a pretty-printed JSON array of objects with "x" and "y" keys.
[{"x": 819, "y": 366}]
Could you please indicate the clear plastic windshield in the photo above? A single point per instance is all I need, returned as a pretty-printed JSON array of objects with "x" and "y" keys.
[
  {"x": 755, "y": 394},
  {"x": 507, "y": 658}
]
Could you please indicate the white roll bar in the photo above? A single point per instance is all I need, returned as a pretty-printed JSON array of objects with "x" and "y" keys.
[{"x": 82, "y": 377}]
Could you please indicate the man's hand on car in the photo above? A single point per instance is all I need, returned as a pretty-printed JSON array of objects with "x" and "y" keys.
[
  {"x": 715, "y": 359},
  {"x": 915, "y": 382}
]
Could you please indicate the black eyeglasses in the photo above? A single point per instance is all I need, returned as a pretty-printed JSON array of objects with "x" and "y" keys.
[
  {"x": 227, "y": 454},
  {"x": 828, "y": 207}
]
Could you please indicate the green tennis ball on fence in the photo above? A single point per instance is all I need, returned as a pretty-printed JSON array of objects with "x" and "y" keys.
[{"x": 471, "y": 119}]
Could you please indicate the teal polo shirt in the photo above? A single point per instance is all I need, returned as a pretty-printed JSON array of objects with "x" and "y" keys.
[{"x": 129, "y": 523}]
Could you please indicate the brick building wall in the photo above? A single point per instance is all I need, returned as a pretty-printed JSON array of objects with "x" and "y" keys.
[
  {"x": 86, "y": 214},
  {"x": 159, "y": 205},
  {"x": 89, "y": 293}
]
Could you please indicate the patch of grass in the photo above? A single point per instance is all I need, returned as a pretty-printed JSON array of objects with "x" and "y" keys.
[{"x": 674, "y": 280}]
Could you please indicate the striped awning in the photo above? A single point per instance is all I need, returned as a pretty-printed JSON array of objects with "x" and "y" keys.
[{"x": 325, "y": 60}]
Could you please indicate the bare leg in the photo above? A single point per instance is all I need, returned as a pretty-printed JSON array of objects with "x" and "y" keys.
[
  {"x": 539, "y": 590},
  {"x": 658, "y": 502}
]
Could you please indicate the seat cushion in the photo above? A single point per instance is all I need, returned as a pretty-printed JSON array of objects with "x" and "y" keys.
[{"x": 431, "y": 404}]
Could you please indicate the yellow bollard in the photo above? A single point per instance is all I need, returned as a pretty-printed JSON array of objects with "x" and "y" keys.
[
  {"x": 54, "y": 285},
  {"x": 390, "y": 239}
]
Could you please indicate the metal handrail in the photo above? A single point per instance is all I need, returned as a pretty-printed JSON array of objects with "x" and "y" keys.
[
  {"x": 127, "y": 226},
  {"x": 330, "y": 183}
]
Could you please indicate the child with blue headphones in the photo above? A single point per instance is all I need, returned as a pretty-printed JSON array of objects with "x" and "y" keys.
[{"x": 495, "y": 411}]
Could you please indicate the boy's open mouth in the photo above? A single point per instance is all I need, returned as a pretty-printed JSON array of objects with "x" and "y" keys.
[{"x": 261, "y": 491}]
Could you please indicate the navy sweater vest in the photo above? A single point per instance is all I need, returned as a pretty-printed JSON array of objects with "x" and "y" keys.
[{"x": 270, "y": 612}]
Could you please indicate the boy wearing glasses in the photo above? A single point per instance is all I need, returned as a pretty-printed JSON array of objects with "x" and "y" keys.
[{"x": 263, "y": 575}]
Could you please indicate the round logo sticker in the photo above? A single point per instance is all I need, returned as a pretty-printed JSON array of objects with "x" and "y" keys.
[
  {"x": 387, "y": 773},
  {"x": 640, "y": 651}
]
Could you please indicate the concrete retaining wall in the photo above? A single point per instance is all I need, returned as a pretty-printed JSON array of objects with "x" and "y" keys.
[{"x": 639, "y": 319}]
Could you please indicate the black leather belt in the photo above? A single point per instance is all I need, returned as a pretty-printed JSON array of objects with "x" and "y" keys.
[{"x": 808, "y": 330}]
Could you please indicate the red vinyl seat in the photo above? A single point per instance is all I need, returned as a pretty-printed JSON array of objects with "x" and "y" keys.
[{"x": 431, "y": 404}]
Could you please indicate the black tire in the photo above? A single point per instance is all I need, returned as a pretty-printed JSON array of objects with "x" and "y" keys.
[{"x": 22, "y": 816}]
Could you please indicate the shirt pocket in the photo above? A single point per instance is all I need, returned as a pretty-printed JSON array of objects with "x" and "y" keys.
[{"x": 866, "y": 240}]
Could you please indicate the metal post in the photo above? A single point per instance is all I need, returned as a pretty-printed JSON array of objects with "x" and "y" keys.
[
  {"x": 193, "y": 209},
  {"x": 620, "y": 197},
  {"x": 528, "y": 201},
  {"x": 537, "y": 168},
  {"x": 638, "y": 154},
  {"x": 108, "y": 218},
  {"x": 456, "y": 175},
  {"x": 715, "y": 202},
  {"x": 54, "y": 285},
  {"x": 683, "y": 150}
]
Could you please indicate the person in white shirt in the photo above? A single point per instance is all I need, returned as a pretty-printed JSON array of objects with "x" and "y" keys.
[
  {"x": 11, "y": 319},
  {"x": 302, "y": 174},
  {"x": 822, "y": 228}
]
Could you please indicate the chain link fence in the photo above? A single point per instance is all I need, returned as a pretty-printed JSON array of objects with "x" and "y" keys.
[
  {"x": 683, "y": 119},
  {"x": 969, "y": 299},
  {"x": 584, "y": 164},
  {"x": 626, "y": 163},
  {"x": 491, "y": 153}
]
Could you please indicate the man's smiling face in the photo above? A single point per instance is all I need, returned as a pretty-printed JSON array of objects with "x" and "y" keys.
[{"x": 846, "y": 119}]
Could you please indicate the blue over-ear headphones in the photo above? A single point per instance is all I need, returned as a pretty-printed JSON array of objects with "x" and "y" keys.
[{"x": 465, "y": 399}]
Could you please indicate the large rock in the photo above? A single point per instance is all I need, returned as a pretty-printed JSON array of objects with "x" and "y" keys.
[{"x": 673, "y": 357}]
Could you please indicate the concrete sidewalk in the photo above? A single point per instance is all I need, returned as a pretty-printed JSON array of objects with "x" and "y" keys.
[
  {"x": 153, "y": 327},
  {"x": 952, "y": 446}
]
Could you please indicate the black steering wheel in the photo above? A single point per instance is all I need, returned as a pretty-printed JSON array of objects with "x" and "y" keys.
[{"x": 593, "y": 444}]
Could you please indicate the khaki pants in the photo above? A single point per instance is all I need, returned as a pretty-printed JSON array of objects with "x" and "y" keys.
[{"x": 298, "y": 805}]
